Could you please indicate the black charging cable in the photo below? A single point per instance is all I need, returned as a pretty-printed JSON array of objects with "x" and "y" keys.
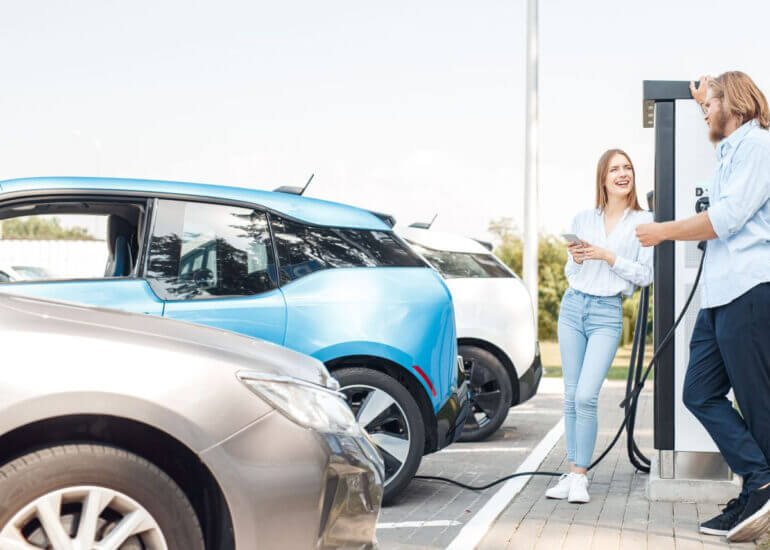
[{"x": 634, "y": 385}]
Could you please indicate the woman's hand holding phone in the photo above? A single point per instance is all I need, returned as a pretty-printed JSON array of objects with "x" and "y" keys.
[
  {"x": 587, "y": 251},
  {"x": 576, "y": 250}
]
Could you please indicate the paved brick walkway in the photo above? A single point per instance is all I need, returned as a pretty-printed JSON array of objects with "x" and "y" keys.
[{"x": 619, "y": 515}]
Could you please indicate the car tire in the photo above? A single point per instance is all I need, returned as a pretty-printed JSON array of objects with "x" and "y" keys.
[
  {"x": 61, "y": 483},
  {"x": 399, "y": 418},
  {"x": 491, "y": 394}
]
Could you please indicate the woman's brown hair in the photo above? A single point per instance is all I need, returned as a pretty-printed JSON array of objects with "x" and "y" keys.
[
  {"x": 602, "y": 168},
  {"x": 741, "y": 97}
]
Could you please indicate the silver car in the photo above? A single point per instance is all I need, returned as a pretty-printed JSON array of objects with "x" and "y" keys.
[{"x": 122, "y": 431}]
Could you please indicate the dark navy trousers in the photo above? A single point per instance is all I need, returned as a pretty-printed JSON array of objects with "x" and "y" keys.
[{"x": 730, "y": 348}]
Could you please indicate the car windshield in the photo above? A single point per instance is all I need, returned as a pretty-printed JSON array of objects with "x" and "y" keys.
[{"x": 462, "y": 265}]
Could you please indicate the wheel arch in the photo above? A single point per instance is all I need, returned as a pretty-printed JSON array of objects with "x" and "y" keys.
[
  {"x": 405, "y": 378},
  {"x": 169, "y": 454}
]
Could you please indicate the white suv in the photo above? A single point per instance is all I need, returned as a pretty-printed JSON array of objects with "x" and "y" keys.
[{"x": 495, "y": 324}]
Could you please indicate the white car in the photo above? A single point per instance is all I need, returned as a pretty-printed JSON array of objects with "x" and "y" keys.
[{"x": 495, "y": 324}]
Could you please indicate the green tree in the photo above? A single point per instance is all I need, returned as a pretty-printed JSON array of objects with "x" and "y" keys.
[
  {"x": 552, "y": 255},
  {"x": 39, "y": 227},
  {"x": 630, "y": 307}
]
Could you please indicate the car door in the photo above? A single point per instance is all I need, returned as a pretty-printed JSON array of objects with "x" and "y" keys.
[
  {"x": 77, "y": 249},
  {"x": 214, "y": 264}
]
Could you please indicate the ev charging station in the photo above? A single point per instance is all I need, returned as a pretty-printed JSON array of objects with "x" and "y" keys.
[{"x": 688, "y": 465}]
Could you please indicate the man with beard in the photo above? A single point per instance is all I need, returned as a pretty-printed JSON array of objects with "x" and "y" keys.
[{"x": 730, "y": 345}]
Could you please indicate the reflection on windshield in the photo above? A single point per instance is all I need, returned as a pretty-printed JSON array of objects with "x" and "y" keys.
[{"x": 462, "y": 265}]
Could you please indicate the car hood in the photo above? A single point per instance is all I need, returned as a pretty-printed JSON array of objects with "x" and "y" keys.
[{"x": 18, "y": 313}]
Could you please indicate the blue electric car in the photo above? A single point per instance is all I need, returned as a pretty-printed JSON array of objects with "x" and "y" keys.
[{"x": 325, "y": 279}]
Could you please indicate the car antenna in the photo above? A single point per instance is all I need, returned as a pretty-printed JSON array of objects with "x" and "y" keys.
[
  {"x": 308, "y": 183},
  {"x": 294, "y": 190},
  {"x": 423, "y": 225}
]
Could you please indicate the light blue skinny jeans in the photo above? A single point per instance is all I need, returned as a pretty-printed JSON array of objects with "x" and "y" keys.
[{"x": 589, "y": 332}]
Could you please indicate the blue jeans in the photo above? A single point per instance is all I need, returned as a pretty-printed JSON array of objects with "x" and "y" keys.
[
  {"x": 589, "y": 334},
  {"x": 730, "y": 348}
]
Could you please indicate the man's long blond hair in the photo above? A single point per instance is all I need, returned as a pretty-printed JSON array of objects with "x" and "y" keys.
[{"x": 741, "y": 97}]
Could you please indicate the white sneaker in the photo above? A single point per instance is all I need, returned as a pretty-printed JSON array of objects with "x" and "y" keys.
[
  {"x": 562, "y": 489},
  {"x": 578, "y": 491}
]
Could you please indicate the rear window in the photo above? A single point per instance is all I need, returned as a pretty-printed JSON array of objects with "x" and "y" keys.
[
  {"x": 462, "y": 265},
  {"x": 304, "y": 249}
]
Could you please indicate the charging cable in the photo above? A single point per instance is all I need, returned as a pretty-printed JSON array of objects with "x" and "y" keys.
[{"x": 634, "y": 385}]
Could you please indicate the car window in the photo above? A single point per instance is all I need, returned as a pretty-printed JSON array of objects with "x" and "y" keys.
[
  {"x": 83, "y": 240},
  {"x": 462, "y": 265},
  {"x": 304, "y": 249},
  {"x": 492, "y": 265},
  {"x": 200, "y": 250}
]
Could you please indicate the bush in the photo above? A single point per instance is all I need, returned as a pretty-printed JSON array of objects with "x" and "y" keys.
[{"x": 38, "y": 227}]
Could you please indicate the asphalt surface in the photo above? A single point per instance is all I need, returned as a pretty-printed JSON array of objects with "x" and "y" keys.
[{"x": 430, "y": 514}]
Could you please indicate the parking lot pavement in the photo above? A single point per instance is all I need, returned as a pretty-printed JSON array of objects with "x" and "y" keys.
[
  {"x": 619, "y": 515},
  {"x": 430, "y": 514}
]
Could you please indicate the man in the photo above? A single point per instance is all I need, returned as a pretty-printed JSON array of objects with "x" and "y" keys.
[{"x": 730, "y": 345}]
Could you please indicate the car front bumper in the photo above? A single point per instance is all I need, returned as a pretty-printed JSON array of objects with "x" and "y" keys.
[
  {"x": 291, "y": 487},
  {"x": 530, "y": 380},
  {"x": 452, "y": 416}
]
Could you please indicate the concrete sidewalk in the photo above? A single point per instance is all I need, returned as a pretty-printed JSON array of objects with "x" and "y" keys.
[{"x": 619, "y": 514}]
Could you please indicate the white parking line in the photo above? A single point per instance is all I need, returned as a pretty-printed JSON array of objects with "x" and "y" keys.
[
  {"x": 477, "y": 527},
  {"x": 403, "y": 524},
  {"x": 485, "y": 450}
]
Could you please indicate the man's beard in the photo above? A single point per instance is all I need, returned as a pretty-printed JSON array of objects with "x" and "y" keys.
[{"x": 718, "y": 125}]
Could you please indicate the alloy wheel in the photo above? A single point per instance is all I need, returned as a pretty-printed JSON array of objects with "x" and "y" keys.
[
  {"x": 82, "y": 518},
  {"x": 380, "y": 415},
  {"x": 486, "y": 397}
]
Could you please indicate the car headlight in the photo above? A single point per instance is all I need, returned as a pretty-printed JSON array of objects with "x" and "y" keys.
[{"x": 309, "y": 405}]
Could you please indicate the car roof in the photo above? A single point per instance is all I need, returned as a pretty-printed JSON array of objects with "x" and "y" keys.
[
  {"x": 314, "y": 211},
  {"x": 436, "y": 240}
]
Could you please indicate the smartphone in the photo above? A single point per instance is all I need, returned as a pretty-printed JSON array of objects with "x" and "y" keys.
[{"x": 571, "y": 237}]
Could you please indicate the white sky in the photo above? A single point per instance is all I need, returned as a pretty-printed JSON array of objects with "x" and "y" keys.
[{"x": 407, "y": 107}]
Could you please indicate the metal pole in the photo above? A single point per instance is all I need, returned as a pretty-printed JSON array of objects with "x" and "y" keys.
[{"x": 530, "y": 162}]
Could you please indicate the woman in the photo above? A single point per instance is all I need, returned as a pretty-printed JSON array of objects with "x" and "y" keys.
[{"x": 608, "y": 262}]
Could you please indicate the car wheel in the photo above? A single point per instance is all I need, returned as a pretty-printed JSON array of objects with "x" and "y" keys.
[
  {"x": 93, "y": 496},
  {"x": 491, "y": 394},
  {"x": 389, "y": 414}
]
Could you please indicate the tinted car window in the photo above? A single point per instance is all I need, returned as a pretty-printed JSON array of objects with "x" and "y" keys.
[
  {"x": 461, "y": 265},
  {"x": 304, "y": 249},
  {"x": 202, "y": 250},
  {"x": 491, "y": 265}
]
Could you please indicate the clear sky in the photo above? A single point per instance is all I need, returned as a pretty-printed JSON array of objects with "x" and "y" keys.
[{"x": 407, "y": 107}]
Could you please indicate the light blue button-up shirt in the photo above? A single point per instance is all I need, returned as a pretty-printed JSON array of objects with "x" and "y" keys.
[{"x": 739, "y": 259}]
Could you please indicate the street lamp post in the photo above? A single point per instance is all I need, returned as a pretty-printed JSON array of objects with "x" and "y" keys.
[{"x": 530, "y": 162}]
